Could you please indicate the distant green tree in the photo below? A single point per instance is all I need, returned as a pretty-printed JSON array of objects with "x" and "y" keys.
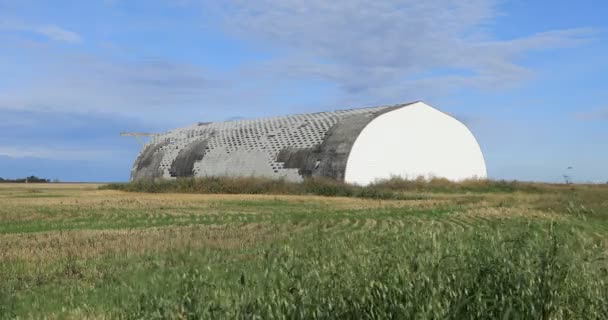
[{"x": 32, "y": 179}]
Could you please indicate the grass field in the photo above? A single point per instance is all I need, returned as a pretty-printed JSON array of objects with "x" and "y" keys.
[{"x": 74, "y": 251}]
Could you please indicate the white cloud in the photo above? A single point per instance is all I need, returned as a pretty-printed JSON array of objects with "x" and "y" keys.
[
  {"x": 370, "y": 46},
  {"x": 52, "y": 32},
  {"x": 372, "y": 51},
  {"x": 58, "y": 34}
]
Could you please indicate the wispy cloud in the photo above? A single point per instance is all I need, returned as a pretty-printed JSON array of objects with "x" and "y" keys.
[
  {"x": 67, "y": 136},
  {"x": 386, "y": 46},
  {"x": 57, "y": 33},
  {"x": 372, "y": 52},
  {"x": 50, "y": 31},
  {"x": 597, "y": 114},
  {"x": 88, "y": 84},
  {"x": 59, "y": 153}
]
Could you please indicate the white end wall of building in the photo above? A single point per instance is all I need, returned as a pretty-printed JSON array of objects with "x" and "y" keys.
[{"x": 416, "y": 140}]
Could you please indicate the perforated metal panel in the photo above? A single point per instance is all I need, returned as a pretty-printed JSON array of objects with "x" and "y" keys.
[{"x": 241, "y": 147}]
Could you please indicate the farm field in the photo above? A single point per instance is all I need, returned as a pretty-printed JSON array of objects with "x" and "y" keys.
[{"x": 73, "y": 251}]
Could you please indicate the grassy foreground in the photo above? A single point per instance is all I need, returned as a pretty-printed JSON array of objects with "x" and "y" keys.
[{"x": 445, "y": 251}]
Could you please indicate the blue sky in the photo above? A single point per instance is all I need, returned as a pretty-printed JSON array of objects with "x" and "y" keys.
[{"x": 530, "y": 78}]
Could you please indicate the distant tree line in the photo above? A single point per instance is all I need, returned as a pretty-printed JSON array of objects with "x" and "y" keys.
[{"x": 32, "y": 179}]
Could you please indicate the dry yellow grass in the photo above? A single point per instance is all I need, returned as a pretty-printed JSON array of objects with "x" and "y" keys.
[
  {"x": 87, "y": 196},
  {"x": 46, "y": 247},
  {"x": 54, "y": 203}
]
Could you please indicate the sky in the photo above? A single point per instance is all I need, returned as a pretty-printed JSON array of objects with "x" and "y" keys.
[{"x": 529, "y": 78}]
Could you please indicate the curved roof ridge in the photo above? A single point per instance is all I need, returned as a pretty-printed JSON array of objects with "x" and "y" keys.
[{"x": 337, "y": 112}]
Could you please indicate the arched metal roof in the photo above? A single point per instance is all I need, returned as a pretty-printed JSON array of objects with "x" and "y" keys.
[{"x": 291, "y": 147}]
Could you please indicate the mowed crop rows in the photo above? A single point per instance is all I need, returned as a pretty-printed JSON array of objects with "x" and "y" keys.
[{"x": 74, "y": 251}]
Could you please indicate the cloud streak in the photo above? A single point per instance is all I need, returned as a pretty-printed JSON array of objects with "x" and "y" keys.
[
  {"x": 88, "y": 84},
  {"x": 369, "y": 46},
  {"x": 57, "y": 33},
  {"x": 59, "y": 153},
  {"x": 598, "y": 114},
  {"x": 50, "y": 31}
]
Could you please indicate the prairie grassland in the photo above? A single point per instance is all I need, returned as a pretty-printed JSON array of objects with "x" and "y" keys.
[{"x": 74, "y": 251}]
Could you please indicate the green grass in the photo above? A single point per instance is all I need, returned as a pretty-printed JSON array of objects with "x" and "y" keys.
[
  {"x": 539, "y": 253},
  {"x": 521, "y": 270}
]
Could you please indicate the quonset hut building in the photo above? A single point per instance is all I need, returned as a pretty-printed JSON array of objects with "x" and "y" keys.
[{"x": 356, "y": 146}]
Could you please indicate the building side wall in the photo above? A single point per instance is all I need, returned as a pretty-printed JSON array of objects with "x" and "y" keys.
[
  {"x": 290, "y": 147},
  {"x": 415, "y": 141}
]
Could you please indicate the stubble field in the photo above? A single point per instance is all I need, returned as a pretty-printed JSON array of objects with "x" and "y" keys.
[{"x": 74, "y": 251}]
